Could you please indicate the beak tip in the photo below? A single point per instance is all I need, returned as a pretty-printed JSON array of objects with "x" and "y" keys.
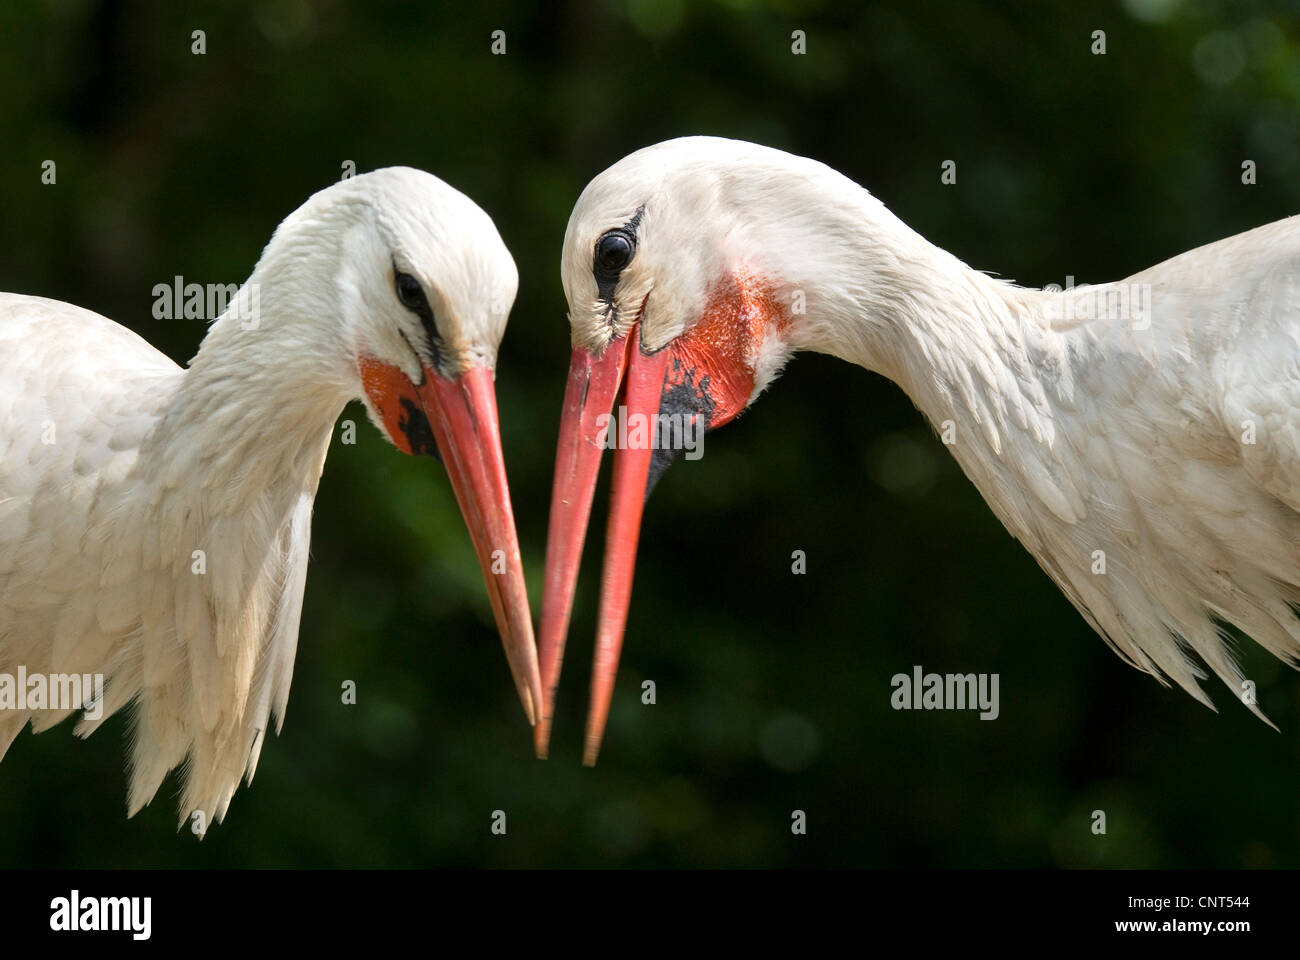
[
  {"x": 462, "y": 414},
  {"x": 530, "y": 710},
  {"x": 542, "y": 738}
]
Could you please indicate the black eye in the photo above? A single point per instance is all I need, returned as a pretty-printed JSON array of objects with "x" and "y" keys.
[
  {"x": 614, "y": 251},
  {"x": 410, "y": 293}
]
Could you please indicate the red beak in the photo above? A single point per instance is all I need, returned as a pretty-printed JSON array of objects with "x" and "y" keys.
[
  {"x": 462, "y": 413},
  {"x": 701, "y": 380},
  {"x": 594, "y": 383}
]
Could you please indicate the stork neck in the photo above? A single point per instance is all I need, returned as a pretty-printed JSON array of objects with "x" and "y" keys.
[
  {"x": 896, "y": 304},
  {"x": 258, "y": 402}
]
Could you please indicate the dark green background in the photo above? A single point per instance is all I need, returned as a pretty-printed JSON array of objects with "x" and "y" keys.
[{"x": 773, "y": 689}]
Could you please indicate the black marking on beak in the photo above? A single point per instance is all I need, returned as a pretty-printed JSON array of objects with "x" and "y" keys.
[
  {"x": 419, "y": 434},
  {"x": 688, "y": 401}
]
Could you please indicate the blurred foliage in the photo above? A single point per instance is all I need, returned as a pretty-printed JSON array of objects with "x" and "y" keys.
[{"x": 773, "y": 689}]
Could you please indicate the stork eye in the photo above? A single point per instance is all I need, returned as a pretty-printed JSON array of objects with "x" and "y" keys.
[
  {"x": 614, "y": 251},
  {"x": 410, "y": 293}
]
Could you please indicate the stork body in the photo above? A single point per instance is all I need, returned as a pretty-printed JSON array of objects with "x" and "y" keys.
[
  {"x": 1140, "y": 438},
  {"x": 156, "y": 532},
  {"x": 155, "y": 521}
]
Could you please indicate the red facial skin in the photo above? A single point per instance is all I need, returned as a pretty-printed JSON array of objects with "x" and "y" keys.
[
  {"x": 740, "y": 313},
  {"x": 387, "y": 387}
]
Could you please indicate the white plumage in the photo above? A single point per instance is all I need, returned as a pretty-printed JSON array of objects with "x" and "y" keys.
[
  {"x": 118, "y": 466},
  {"x": 1148, "y": 428}
]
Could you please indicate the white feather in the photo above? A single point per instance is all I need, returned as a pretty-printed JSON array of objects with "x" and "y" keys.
[
  {"x": 117, "y": 466},
  {"x": 1167, "y": 437}
]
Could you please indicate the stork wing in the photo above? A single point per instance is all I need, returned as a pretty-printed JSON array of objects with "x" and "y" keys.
[
  {"x": 1179, "y": 450},
  {"x": 77, "y": 394},
  {"x": 97, "y": 554}
]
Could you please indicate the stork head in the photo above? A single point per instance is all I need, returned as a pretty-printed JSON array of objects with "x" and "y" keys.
[
  {"x": 421, "y": 285},
  {"x": 679, "y": 283}
]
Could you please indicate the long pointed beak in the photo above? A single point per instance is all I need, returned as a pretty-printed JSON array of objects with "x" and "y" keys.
[
  {"x": 643, "y": 389},
  {"x": 594, "y": 384},
  {"x": 463, "y": 414}
]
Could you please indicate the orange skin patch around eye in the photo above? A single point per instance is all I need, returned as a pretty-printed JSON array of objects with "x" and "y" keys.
[{"x": 724, "y": 345}]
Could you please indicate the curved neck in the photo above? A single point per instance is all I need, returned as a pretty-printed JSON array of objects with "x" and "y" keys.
[
  {"x": 883, "y": 297},
  {"x": 258, "y": 401}
]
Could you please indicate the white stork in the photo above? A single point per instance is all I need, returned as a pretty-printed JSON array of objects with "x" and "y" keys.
[
  {"x": 118, "y": 467},
  {"x": 1140, "y": 439}
]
